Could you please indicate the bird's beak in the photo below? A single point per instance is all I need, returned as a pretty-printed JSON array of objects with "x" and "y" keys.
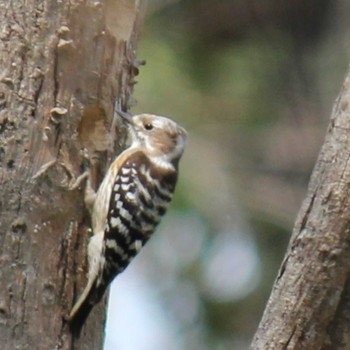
[
  {"x": 126, "y": 117},
  {"x": 128, "y": 120}
]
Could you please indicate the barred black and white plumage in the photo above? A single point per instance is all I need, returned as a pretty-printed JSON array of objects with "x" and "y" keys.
[{"x": 129, "y": 204}]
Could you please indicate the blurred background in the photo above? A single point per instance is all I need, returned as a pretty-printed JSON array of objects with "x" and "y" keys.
[{"x": 253, "y": 82}]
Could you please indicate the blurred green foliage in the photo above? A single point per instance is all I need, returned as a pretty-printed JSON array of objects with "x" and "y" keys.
[{"x": 253, "y": 82}]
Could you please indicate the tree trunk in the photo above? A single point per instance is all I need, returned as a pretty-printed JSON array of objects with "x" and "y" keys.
[
  {"x": 63, "y": 64},
  {"x": 309, "y": 306}
]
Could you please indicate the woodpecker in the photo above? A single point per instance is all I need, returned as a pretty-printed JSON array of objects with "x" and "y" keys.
[{"x": 129, "y": 203}]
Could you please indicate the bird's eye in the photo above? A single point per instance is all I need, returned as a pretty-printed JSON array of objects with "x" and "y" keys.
[{"x": 148, "y": 126}]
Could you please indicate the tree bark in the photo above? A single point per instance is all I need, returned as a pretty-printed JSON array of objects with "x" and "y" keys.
[
  {"x": 309, "y": 306},
  {"x": 63, "y": 64}
]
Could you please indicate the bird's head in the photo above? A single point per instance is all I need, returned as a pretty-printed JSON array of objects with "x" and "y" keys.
[{"x": 163, "y": 139}]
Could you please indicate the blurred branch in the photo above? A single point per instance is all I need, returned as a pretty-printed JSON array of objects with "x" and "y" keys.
[{"x": 310, "y": 298}]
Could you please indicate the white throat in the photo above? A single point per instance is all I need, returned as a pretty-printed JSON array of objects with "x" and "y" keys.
[{"x": 163, "y": 162}]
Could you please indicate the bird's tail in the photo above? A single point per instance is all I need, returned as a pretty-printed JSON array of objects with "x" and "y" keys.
[{"x": 82, "y": 308}]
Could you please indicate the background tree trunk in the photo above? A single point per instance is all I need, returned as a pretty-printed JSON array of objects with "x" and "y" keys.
[
  {"x": 310, "y": 302},
  {"x": 63, "y": 64}
]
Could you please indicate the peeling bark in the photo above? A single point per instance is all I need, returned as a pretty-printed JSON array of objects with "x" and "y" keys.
[
  {"x": 63, "y": 64},
  {"x": 310, "y": 301}
]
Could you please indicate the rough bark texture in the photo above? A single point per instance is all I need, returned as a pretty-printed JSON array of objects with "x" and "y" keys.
[
  {"x": 309, "y": 307},
  {"x": 63, "y": 64}
]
